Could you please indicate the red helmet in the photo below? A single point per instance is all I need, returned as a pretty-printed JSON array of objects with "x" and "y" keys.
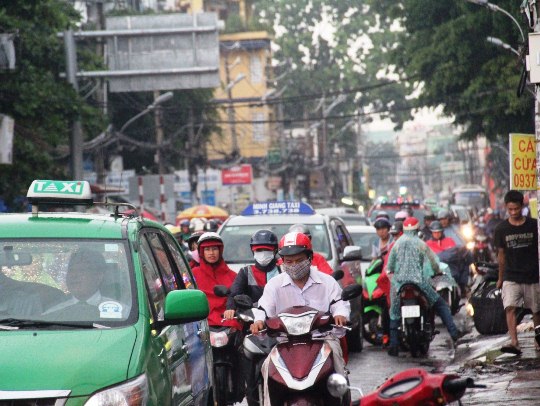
[
  {"x": 411, "y": 224},
  {"x": 295, "y": 243}
]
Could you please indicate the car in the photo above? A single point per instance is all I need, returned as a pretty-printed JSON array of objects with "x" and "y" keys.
[
  {"x": 348, "y": 215},
  {"x": 393, "y": 206},
  {"x": 330, "y": 238},
  {"x": 364, "y": 237},
  {"x": 98, "y": 308}
]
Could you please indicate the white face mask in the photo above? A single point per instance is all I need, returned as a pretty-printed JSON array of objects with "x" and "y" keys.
[{"x": 263, "y": 258}]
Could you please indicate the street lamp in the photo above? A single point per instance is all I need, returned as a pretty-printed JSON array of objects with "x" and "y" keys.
[
  {"x": 498, "y": 42},
  {"x": 495, "y": 8},
  {"x": 157, "y": 101}
]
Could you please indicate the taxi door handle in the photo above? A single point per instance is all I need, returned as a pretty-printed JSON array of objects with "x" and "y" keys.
[
  {"x": 199, "y": 332},
  {"x": 185, "y": 347}
]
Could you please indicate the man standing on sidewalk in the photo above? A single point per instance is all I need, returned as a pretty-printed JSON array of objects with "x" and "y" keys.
[{"x": 516, "y": 240}]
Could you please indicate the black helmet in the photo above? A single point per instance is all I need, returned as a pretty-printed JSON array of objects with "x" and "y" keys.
[
  {"x": 381, "y": 223},
  {"x": 429, "y": 215},
  {"x": 436, "y": 226},
  {"x": 397, "y": 228},
  {"x": 194, "y": 238},
  {"x": 382, "y": 214},
  {"x": 263, "y": 238},
  {"x": 211, "y": 225},
  {"x": 300, "y": 228}
]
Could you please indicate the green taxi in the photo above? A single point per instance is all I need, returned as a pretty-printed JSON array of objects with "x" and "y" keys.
[{"x": 97, "y": 309}]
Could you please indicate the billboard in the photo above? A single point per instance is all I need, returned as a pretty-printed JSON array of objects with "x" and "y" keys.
[
  {"x": 237, "y": 175},
  {"x": 522, "y": 162},
  {"x": 162, "y": 52}
]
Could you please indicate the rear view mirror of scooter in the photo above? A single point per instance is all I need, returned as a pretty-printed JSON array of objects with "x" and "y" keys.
[
  {"x": 221, "y": 291},
  {"x": 338, "y": 386},
  {"x": 338, "y": 275},
  {"x": 351, "y": 291},
  {"x": 243, "y": 301}
]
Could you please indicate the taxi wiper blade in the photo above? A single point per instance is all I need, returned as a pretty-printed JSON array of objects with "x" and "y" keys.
[{"x": 14, "y": 324}]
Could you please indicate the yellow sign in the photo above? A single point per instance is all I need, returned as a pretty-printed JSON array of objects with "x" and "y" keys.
[{"x": 522, "y": 162}]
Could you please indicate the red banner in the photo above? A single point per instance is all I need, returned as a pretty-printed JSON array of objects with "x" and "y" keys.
[{"x": 237, "y": 175}]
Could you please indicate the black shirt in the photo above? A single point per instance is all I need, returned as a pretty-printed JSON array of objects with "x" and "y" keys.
[{"x": 520, "y": 244}]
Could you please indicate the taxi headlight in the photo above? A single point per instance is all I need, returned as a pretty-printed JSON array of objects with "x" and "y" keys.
[
  {"x": 131, "y": 393},
  {"x": 298, "y": 324}
]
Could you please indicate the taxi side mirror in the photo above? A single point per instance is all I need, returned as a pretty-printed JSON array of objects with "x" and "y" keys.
[{"x": 185, "y": 306}]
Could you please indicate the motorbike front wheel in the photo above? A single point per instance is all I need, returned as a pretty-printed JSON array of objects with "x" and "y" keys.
[{"x": 222, "y": 379}]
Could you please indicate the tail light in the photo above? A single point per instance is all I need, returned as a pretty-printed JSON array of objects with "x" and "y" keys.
[{"x": 410, "y": 293}]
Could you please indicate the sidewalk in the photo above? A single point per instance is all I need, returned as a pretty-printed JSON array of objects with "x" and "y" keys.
[{"x": 510, "y": 379}]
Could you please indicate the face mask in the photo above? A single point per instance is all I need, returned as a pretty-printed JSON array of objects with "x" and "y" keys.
[
  {"x": 263, "y": 258},
  {"x": 299, "y": 270},
  {"x": 195, "y": 256}
]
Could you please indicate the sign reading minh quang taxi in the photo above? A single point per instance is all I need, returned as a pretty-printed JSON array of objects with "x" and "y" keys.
[{"x": 522, "y": 162}]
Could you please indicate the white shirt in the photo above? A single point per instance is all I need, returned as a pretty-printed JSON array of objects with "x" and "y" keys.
[{"x": 320, "y": 289}]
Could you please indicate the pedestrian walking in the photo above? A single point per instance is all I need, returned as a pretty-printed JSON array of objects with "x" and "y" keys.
[{"x": 516, "y": 239}]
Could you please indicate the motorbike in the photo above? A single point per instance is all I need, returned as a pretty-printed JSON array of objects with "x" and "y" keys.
[
  {"x": 417, "y": 328},
  {"x": 447, "y": 287},
  {"x": 228, "y": 374},
  {"x": 481, "y": 249},
  {"x": 300, "y": 365},
  {"x": 374, "y": 303},
  {"x": 411, "y": 387}
]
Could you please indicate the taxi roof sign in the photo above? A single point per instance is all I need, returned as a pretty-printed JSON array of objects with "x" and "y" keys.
[
  {"x": 284, "y": 207},
  {"x": 62, "y": 192}
]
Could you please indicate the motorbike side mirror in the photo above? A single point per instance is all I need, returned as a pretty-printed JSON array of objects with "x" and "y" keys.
[
  {"x": 352, "y": 253},
  {"x": 337, "y": 385},
  {"x": 351, "y": 291},
  {"x": 243, "y": 301},
  {"x": 221, "y": 290},
  {"x": 338, "y": 275}
]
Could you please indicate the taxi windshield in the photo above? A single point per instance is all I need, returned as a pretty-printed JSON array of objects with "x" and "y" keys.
[
  {"x": 69, "y": 282},
  {"x": 236, "y": 240}
]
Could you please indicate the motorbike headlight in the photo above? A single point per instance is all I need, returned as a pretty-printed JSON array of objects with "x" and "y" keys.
[
  {"x": 298, "y": 324},
  {"x": 467, "y": 232},
  {"x": 218, "y": 338},
  {"x": 131, "y": 393},
  {"x": 470, "y": 245}
]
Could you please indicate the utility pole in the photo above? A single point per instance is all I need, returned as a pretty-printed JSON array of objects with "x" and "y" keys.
[
  {"x": 159, "y": 136},
  {"x": 230, "y": 108},
  {"x": 536, "y": 13},
  {"x": 76, "y": 139},
  {"x": 191, "y": 163}
]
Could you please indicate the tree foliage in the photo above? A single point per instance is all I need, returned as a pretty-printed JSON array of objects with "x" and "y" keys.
[
  {"x": 40, "y": 101},
  {"x": 327, "y": 47},
  {"x": 442, "y": 52}
]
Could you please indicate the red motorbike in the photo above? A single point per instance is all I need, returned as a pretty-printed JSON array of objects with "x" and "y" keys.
[
  {"x": 411, "y": 387},
  {"x": 300, "y": 366}
]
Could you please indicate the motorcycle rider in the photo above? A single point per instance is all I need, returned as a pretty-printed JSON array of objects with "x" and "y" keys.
[
  {"x": 438, "y": 241},
  {"x": 213, "y": 271},
  {"x": 251, "y": 281},
  {"x": 185, "y": 231},
  {"x": 382, "y": 228},
  {"x": 411, "y": 260},
  {"x": 429, "y": 218},
  {"x": 211, "y": 225},
  {"x": 450, "y": 230},
  {"x": 299, "y": 284},
  {"x": 192, "y": 247}
]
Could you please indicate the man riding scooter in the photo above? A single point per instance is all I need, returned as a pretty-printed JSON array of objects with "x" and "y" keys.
[{"x": 300, "y": 285}]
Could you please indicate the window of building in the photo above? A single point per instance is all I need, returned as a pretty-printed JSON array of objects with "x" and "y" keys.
[
  {"x": 258, "y": 127},
  {"x": 255, "y": 69}
]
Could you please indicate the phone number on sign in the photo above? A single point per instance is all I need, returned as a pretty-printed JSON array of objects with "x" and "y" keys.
[{"x": 524, "y": 181}]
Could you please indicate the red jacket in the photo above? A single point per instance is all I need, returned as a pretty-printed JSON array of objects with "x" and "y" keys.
[
  {"x": 208, "y": 276},
  {"x": 441, "y": 245}
]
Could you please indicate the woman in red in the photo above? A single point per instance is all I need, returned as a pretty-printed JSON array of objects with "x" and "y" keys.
[{"x": 213, "y": 271}]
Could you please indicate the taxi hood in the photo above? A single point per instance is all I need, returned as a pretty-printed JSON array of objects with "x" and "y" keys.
[{"x": 81, "y": 361}]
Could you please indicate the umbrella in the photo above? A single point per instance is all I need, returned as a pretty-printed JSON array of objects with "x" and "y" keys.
[{"x": 203, "y": 210}]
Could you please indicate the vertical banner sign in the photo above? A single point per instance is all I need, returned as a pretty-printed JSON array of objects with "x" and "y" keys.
[{"x": 522, "y": 162}]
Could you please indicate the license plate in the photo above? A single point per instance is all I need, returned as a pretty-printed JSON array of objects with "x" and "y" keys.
[{"x": 410, "y": 311}]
